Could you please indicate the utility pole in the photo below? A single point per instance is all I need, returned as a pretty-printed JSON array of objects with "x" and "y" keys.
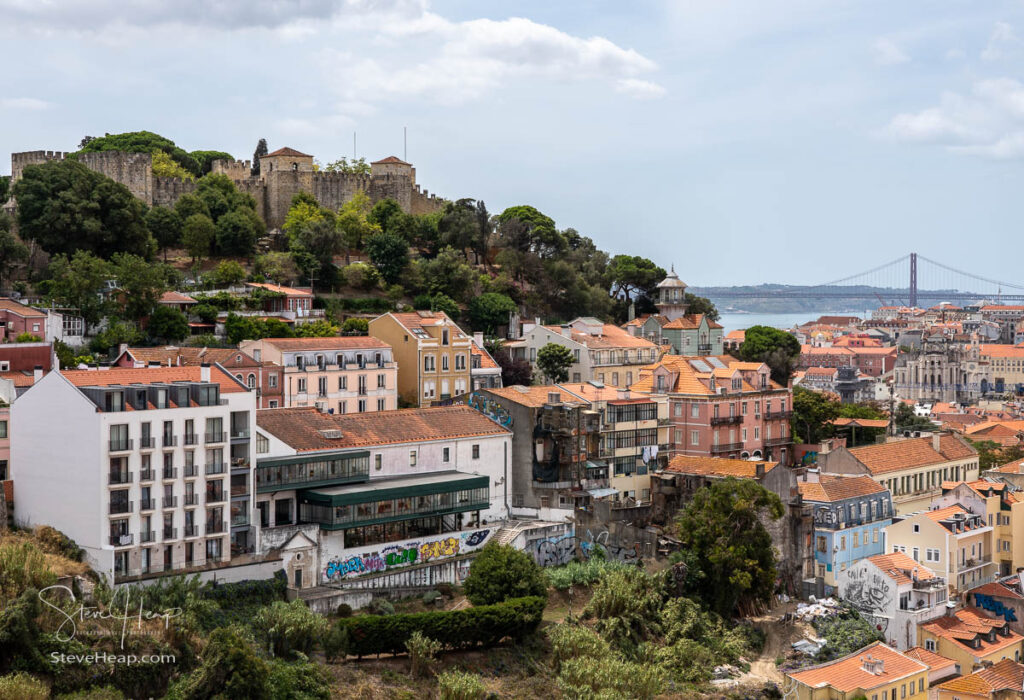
[
  {"x": 353, "y": 145},
  {"x": 405, "y": 144}
]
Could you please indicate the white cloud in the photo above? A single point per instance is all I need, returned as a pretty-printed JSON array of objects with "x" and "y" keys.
[
  {"x": 465, "y": 60},
  {"x": 988, "y": 122},
  {"x": 30, "y": 103},
  {"x": 1000, "y": 42},
  {"x": 887, "y": 53}
]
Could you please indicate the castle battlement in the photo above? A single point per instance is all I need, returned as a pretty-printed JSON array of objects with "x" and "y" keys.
[{"x": 20, "y": 160}]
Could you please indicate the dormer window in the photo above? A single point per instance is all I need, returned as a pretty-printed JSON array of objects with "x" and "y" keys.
[
  {"x": 444, "y": 336},
  {"x": 300, "y": 362}
]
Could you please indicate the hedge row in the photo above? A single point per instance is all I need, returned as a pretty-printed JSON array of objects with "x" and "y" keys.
[
  {"x": 484, "y": 625},
  {"x": 364, "y": 305}
]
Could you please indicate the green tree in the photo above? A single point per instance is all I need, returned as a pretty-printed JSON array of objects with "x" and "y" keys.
[
  {"x": 812, "y": 415},
  {"x": 167, "y": 325},
  {"x": 141, "y": 285},
  {"x": 288, "y": 629},
  {"x": 303, "y": 212},
  {"x": 355, "y": 326},
  {"x": 458, "y": 226},
  {"x": 700, "y": 305},
  {"x": 631, "y": 277},
  {"x": 230, "y": 668},
  {"x": 227, "y": 273},
  {"x": 197, "y": 235},
  {"x": 236, "y": 234},
  {"x": 278, "y": 267},
  {"x": 991, "y": 454},
  {"x": 205, "y": 312},
  {"x": 778, "y": 349},
  {"x": 165, "y": 225},
  {"x": 525, "y": 229},
  {"x": 321, "y": 328},
  {"x": 165, "y": 166},
  {"x": 79, "y": 283},
  {"x": 500, "y": 572},
  {"x": 261, "y": 150},
  {"x": 357, "y": 166},
  {"x": 490, "y": 310},
  {"x": 448, "y": 273},
  {"x": 12, "y": 251},
  {"x": 65, "y": 207},
  {"x": 554, "y": 361},
  {"x": 626, "y": 605},
  {"x": 239, "y": 328},
  {"x": 388, "y": 215},
  {"x": 5, "y": 187},
  {"x": 314, "y": 247},
  {"x": 189, "y": 204},
  {"x": 142, "y": 142},
  {"x": 722, "y": 527},
  {"x": 353, "y": 225},
  {"x": 906, "y": 419},
  {"x": 444, "y": 304},
  {"x": 205, "y": 159},
  {"x": 389, "y": 254}
]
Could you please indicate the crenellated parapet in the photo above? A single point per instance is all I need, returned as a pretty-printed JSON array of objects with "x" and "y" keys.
[{"x": 20, "y": 160}]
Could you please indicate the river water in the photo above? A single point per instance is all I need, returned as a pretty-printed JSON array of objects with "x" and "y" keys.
[{"x": 734, "y": 321}]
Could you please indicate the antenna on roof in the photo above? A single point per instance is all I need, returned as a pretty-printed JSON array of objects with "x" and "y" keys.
[
  {"x": 353, "y": 145},
  {"x": 405, "y": 144}
]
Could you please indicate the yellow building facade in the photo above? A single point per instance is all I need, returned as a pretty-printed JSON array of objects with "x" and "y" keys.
[{"x": 876, "y": 672}]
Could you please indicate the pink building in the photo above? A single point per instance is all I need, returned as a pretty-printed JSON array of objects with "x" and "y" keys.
[
  {"x": 297, "y": 301},
  {"x": 722, "y": 407},
  {"x": 16, "y": 319}
]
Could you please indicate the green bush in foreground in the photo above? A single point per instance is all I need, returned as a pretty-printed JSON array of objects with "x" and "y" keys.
[
  {"x": 21, "y": 686},
  {"x": 577, "y": 573},
  {"x": 500, "y": 572},
  {"x": 456, "y": 685}
]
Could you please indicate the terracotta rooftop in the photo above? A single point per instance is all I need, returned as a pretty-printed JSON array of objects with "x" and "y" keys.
[
  {"x": 288, "y": 152},
  {"x": 848, "y": 673},
  {"x": 149, "y": 375},
  {"x": 994, "y": 588},
  {"x": 717, "y": 466},
  {"x": 332, "y": 342},
  {"x": 999, "y": 350},
  {"x": 940, "y": 514},
  {"x": 900, "y": 567},
  {"x": 486, "y": 361},
  {"x": 290, "y": 291},
  {"x": 390, "y": 160},
  {"x": 911, "y": 453},
  {"x": 693, "y": 374},
  {"x": 821, "y": 371},
  {"x": 930, "y": 658},
  {"x": 535, "y": 396},
  {"x": 171, "y": 356},
  {"x": 21, "y": 379},
  {"x": 690, "y": 322},
  {"x": 1014, "y": 467},
  {"x": 861, "y": 422},
  {"x": 589, "y": 392},
  {"x": 173, "y": 297},
  {"x": 302, "y": 428},
  {"x": 611, "y": 338},
  {"x": 838, "y": 488},
  {"x": 424, "y": 319},
  {"x": 8, "y": 304},
  {"x": 968, "y": 624},
  {"x": 1005, "y": 674}
]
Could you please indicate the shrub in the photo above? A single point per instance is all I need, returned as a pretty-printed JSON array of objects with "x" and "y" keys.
[
  {"x": 22, "y": 566},
  {"x": 609, "y": 678},
  {"x": 575, "y": 641},
  {"x": 501, "y": 572},
  {"x": 21, "y": 686},
  {"x": 104, "y": 693},
  {"x": 336, "y": 642},
  {"x": 380, "y": 606},
  {"x": 356, "y": 326},
  {"x": 456, "y": 685},
  {"x": 585, "y": 573},
  {"x": 343, "y": 610},
  {"x": 626, "y": 604},
  {"x": 207, "y": 313},
  {"x": 446, "y": 589},
  {"x": 845, "y": 633},
  {"x": 430, "y": 596},
  {"x": 422, "y": 652},
  {"x": 27, "y": 338},
  {"x": 289, "y": 628},
  {"x": 361, "y": 275},
  {"x": 56, "y": 542},
  {"x": 297, "y": 681},
  {"x": 688, "y": 661},
  {"x": 484, "y": 625}
]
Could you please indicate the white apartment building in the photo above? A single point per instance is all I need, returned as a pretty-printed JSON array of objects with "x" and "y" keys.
[
  {"x": 147, "y": 469},
  {"x": 378, "y": 491},
  {"x": 353, "y": 374}
]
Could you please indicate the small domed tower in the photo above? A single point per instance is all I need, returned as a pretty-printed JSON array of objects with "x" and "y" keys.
[{"x": 672, "y": 296}]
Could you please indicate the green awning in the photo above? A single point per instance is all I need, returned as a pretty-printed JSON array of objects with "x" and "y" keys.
[{"x": 388, "y": 489}]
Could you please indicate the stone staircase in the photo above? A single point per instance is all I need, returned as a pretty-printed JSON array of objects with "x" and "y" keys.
[{"x": 508, "y": 532}]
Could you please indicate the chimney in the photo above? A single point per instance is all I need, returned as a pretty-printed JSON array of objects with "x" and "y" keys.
[
  {"x": 937, "y": 442},
  {"x": 478, "y": 338},
  {"x": 37, "y": 373},
  {"x": 567, "y": 330},
  {"x": 121, "y": 348},
  {"x": 204, "y": 372},
  {"x": 759, "y": 470},
  {"x": 622, "y": 394}
]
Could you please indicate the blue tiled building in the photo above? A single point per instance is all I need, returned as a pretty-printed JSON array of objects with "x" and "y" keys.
[{"x": 850, "y": 517}]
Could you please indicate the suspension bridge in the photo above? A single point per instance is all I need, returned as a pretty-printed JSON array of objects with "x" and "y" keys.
[{"x": 911, "y": 280}]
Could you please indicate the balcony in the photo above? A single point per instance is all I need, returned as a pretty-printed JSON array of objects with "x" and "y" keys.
[
  {"x": 120, "y": 508},
  {"x": 120, "y": 477},
  {"x": 171, "y": 502},
  {"x": 215, "y": 496},
  {"x": 276, "y": 475},
  {"x": 703, "y": 348},
  {"x": 240, "y": 520},
  {"x": 147, "y": 504},
  {"x": 555, "y": 485},
  {"x": 170, "y": 533},
  {"x": 146, "y": 537},
  {"x": 726, "y": 420},
  {"x": 189, "y": 439},
  {"x": 726, "y": 447},
  {"x": 240, "y": 434},
  {"x": 974, "y": 563},
  {"x": 242, "y": 490},
  {"x": 119, "y": 445},
  {"x": 169, "y": 441},
  {"x": 170, "y": 473},
  {"x": 775, "y": 442},
  {"x": 215, "y": 468},
  {"x": 124, "y": 540},
  {"x": 214, "y": 528},
  {"x": 216, "y": 437},
  {"x": 191, "y": 499},
  {"x": 147, "y": 443},
  {"x": 191, "y": 470},
  {"x": 778, "y": 415},
  {"x": 146, "y": 475},
  {"x": 190, "y": 531},
  {"x": 239, "y": 465}
]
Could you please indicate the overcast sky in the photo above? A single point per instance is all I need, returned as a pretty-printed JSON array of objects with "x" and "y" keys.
[{"x": 744, "y": 141}]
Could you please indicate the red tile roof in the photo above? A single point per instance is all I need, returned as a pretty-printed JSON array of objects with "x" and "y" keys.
[
  {"x": 286, "y": 151},
  {"x": 7, "y": 304},
  {"x": 173, "y": 297},
  {"x": 302, "y": 428},
  {"x": 910, "y": 453},
  {"x": 390, "y": 159},
  {"x": 838, "y": 488},
  {"x": 861, "y": 422},
  {"x": 998, "y": 590},
  {"x": 969, "y": 624},
  {"x": 289, "y": 291},
  {"x": 899, "y": 567},
  {"x": 847, "y": 673},
  {"x": 717, "y": 466},
  {"x": 150, "y": 375},
  {"x": 535, "y": 396},
  {"x": 333, "y": 342},
  {"x": 172, "y": 356},
  {"x": 933, "y": 660},
  {"x": 1005, "y": 674}
]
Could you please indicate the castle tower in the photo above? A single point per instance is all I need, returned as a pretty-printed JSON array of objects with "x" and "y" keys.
[
  {"x": 286, "y": 160},
  {"x": 672, "y": 296}
]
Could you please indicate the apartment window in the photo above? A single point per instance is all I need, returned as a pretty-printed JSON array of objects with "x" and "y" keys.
[
  {"x": 381, "y": 404},
  {"x": 3, "y": 428},
  {"x": 874, "y": 536},
  {"x": 842, "y": 542},
  {"x": 822, "y": 544},
  {"x": 615, "y": 378},
  {"x": 272, "y": 380},
  {"x": 476, "y": 451},
  {"x": 377, "y": 462},
  {"x": 322, "y": 386},
  {"x": 445, "y": 453},
  {"x": 444, "y": 363},
  {"x": 302, "y": 385},
  {"x": 262, "y": 444},
  {"x": 444, "y": 336},
  {"x": 929, "y": 644},
  {"x": 213, "y": 550},
  {"x": 381, "y": 381},
  {"x": 273, "y": 403},
  {"x": 744, "y": 432},
  {"x": 856, "y": 540},
  {"x": 362, "y": 405},
  {"x": 678, "y": 437},
  {"x": 757, "y": 433},
  {"x": 694, "y": 411},
  {"x": 251, "y": 381},
  {"x": 694, "y": 437},
  {"x": 576, "y": 377},
  {"x": 916, "y": 554},
  {"x": 412, "y": 458},
  {"x": 342, "y": 383},
  {"x": 428, "y": 363},
  {"x": 460, "y": 362},
  {"x": 677, "y": 409},
  {"x": 118, "y": 436}
]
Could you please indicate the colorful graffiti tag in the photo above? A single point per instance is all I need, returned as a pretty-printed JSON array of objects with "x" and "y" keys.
[
  {"x": 987, "y": 602},
  {"x": 490, "y": 408},
  {"x": 403, "y": 554},
  {"x": 556, "y": 551}
]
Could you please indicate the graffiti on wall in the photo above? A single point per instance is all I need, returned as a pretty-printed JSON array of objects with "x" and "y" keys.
[
  {"x": 403, "y": 554},
  {"x": 987, "y": 602},
  {"x": 556, "y": 551},
  {"x": 867, "y": 591},
  {"x": 490, "y": 408}
]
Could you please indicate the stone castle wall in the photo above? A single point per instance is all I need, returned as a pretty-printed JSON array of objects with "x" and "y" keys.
[{"x": 273, "y": 191}]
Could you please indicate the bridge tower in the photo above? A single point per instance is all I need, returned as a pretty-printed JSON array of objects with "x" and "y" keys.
[{"x": 913, "y": 279}]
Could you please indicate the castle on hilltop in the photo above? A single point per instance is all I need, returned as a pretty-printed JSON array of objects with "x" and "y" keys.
[{"x": 282, "y": 174}]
